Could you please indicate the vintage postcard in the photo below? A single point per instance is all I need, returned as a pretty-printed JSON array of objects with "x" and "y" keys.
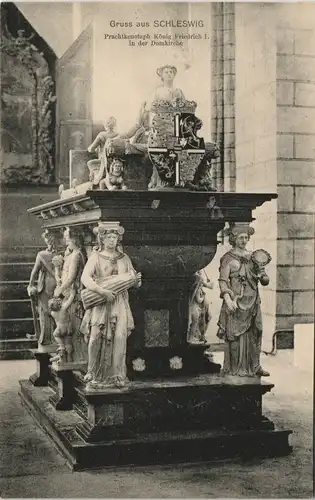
[{"x": 157, "y": 249}]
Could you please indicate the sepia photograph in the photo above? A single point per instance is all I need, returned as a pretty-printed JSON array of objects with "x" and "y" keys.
[{"x": 157, "y": 249}]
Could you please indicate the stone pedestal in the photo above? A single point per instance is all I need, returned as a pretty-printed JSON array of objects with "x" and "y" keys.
[
  {"x": 176, "y": 407},
  {"x": 191, "y": 419},
  {"x": 65, "y": 394},
  {"x": 181, "y": 404},
  {"x": 42, "y": 375}
]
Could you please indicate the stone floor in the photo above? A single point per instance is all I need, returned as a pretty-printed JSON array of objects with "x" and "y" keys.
[{"x": 31, "y": 468}]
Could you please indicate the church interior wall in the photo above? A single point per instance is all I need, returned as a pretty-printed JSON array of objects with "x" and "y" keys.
[
  {"x": 295, "y": 161},
  {"x": 274, "y": 109}
]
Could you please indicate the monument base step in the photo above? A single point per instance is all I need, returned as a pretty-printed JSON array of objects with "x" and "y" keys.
[{"x": 147, "y": 448}]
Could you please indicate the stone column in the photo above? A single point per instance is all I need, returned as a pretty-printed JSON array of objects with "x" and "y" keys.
[{"x": 223, "y": 93}]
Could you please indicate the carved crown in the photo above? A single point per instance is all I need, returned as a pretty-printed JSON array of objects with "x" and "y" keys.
[{"x": 176, "y": 106}]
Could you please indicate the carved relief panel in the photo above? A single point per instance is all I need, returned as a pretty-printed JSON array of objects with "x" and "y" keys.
[{"x": 27, "y": 103}]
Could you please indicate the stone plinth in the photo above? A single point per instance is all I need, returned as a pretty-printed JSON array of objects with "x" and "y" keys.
[
  {"x": 184, "y": 403},
  {"x": 64, "y": 378},
  {"x": 42, "y": 375},
  {"x": 190, "y": 420}
]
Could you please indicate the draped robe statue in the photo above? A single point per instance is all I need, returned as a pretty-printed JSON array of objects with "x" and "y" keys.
[
  {"x": 108, "y": 320},
  {"x": 240, "y": 320}
]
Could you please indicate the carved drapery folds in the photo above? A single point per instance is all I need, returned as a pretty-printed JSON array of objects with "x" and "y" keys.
[{"x": 28, "y": 110}]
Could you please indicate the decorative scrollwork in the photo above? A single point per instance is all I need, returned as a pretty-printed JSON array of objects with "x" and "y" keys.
[
  {"x": 77, "y": 207},
  {"x": 25, "y": 53},
  {"x": 65, "y": 210},
  {"x": 44, "y": 216},
  {"x": 176, "y": 363},
  {"x": 176, "y": 106},
  {"x": 53, "y": 213},
  {"x": 138, "y": 365},
  {"x": 155, "y": 204}
]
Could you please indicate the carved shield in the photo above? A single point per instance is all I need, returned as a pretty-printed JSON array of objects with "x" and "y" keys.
[{"x": 174, "y": 147}]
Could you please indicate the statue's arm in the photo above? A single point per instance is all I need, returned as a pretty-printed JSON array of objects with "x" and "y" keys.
[
  {"x": 31, "y": 289},
  {"x": 259, "y": 274},
  {"x": 263, "y": 277},
  {"x": 131, "y": 269},
  {"x": 87, "y": 278},
  {"x": 131, "y": 132},
  {"x": 69, "y": 300},
  {"x": 224, "y": 279},
  {"x": 205, "y": 281},
  {"x": 226, "y": 293},
  {"x": 207, "y": 284},
  {"x": 72, "y": 274},
  {"x": 35, "y": 271},
  {"x": 181, "y": 94},
  {"x": 97, "y": 141}
]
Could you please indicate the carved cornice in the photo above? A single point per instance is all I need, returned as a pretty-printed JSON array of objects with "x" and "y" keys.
[
  {"x": 159, "y": 213},
  {"x": 161, "y": 227},
  {"x": 76, "y": 206},
  {"x": 177, "y": 201}
]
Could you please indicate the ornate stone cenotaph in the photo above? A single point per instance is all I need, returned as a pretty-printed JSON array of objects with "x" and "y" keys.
[{"x": 130, "y": 381}]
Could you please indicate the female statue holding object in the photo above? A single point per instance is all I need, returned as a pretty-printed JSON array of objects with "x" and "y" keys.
[
  {"x": 108, "y": 320},
  {"x": 240, "y": 321}
]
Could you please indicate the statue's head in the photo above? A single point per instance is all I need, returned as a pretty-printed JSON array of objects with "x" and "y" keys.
[
  {"x": 239, "y": 234},
  {"x": 167, "y": 73},
  {"x": 55, "y": 304},
  {"x": 116, "y": 167},
  {"x": 50, "y": 240},
  {"x": 110, "y": 123},
  {"x": 109, "y": 234},
  {"x": 20, "y": 33},
  {"x": 73, "y": 238}
]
